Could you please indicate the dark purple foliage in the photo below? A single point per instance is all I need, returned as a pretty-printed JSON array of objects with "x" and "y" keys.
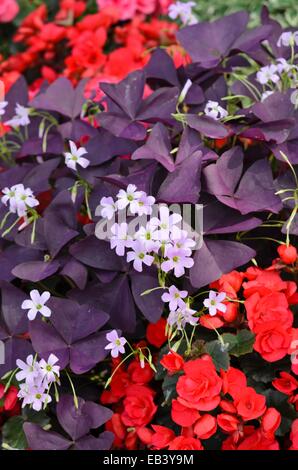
[
  {"x": 72, "y": 335},
  {"x": 77, "y": 423}
]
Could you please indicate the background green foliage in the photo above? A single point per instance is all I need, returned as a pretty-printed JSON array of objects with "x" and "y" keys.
[{"x": 285, "y": 11}]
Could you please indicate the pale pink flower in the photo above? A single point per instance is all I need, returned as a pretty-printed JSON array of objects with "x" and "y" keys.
[
  {"x": 8, "y": 10},
  {"x": 126, "y": 198},
  {"x": 174, "y": 297},
  {"x": 116, "y": 343},
  {"x": 214, "y": 302},
  {"x": 36, "y": 304},
  {"x": 177, "y": 261},
  {"x": 75, "y": 157},
  {"x": 139, "y": 256},
  {"x": 120, "y": 239}
]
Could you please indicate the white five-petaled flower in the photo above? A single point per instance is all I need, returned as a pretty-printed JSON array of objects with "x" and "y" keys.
[
  {"x": 214, "y": 302},
  {"x": 116, "y": 343},
  {"x": 174, "y": 297},
  {"x": 181, "y": 317},
  {"x": 29, "y": 370},
  {"x": 3, "y": 105},
  {"x": 24, "y": 199},
  {"x": 75, "y": 157},
  {"x": 21, "y": 117},
  {"x": 10, "y": 196},
  {"x": 120, "y": 239},
  {"x": 181, "y": 241},
  {"x": 109, "y": 207},
  {"x": 165, "y": 223},
  {"x": 37, "y": 304},
  {"x": 142, "y": 205},
  {"x": 34, "y": 395},
  {"x": 177, "y": 261},
  {"x": 146, "y": 236},
  {"x": 126, "y": 198},
  {"x": 183, "y": 10},
  {"x": 283, "y": 65},
  {"x": 19, "y": 199},
  {"x": 266, "y": 74},
  {"x": 139, "y": 256},
  {"x": 214, "y": 110},
  {"x": 288, "y": 38},
  {"x": 49, "y": 369}
]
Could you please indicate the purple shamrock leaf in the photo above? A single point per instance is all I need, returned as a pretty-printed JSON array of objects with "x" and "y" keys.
[
  {"x": 61, "y": 97},
  {"x": 211, "y": 260},
  {"x": 110, "y": 147},
  {"x": 141, "y": 174},
  {"x": 96, "y": 253},
  {"x": 35, "y": 146},
  {"x": 254, "y": 192},
  {"x": 35, "y": 271},
  {"x": 77, "y": 423},
  {"x": 127, "y": 110},
  {"x": 207, "y": 126},
  {"x": 161, "y": 69},
  {"x": 210, "y": 42},
  {"x": 12, "y": 256},
  {"x": 17, "y": 94},
  {"x": 72, "y": 335},
  {"x": 157, "y": 147},
  {"x": 60, "y": 222},
  {"x": 289, "y": 147},
  {"x": 14, "y": 325},
  {"x": 184, "y": 184},
  {"x": 76, "y": 271}
]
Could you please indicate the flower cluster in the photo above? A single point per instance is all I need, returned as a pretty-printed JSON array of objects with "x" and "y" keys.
[
  {"x": 183, "y": 11},
  {"x": 38, "y": 377},
  {"x": 180, "y": 313},
  {"x": 132, "y": 398},
  {"x": 268, "y": 314},
  {"x": 201, "y": 390},
  {"x": 159, "y": 236},
  {"x": 283, "y": 73}
]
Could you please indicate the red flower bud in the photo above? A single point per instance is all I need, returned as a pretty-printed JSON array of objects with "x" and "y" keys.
[
  {"x": 172, "y": 361},
  {"x": 156, "y": 333},
  {"x": 11, "y": 398},
  {"x": 288, "y": 254},
  {"x": 231, "y": 313}
]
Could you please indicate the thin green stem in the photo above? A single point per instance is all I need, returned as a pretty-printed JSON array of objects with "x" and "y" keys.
[{"x": 75, "y": 398}]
